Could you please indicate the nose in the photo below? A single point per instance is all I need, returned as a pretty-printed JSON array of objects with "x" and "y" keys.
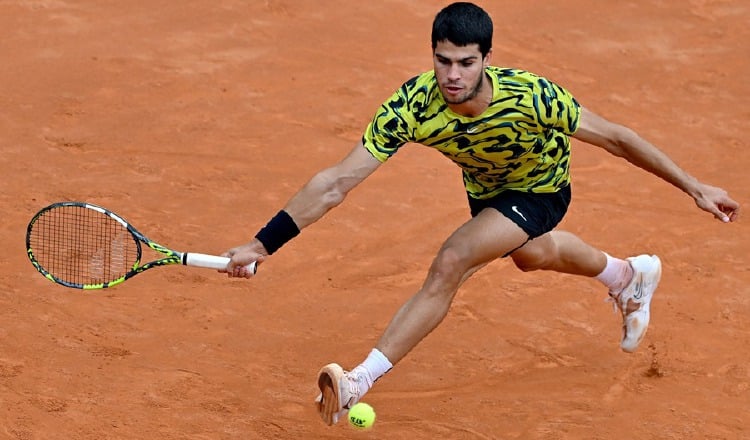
[{"x": 454, "y": 73}]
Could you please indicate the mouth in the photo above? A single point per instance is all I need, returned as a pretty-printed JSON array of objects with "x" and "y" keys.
[{"x": 452, "y": 89}]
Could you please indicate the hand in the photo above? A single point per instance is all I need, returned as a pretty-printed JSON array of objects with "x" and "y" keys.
[
  {"x": 241, "y": 256},
  {"x": 717, "y": 202}
]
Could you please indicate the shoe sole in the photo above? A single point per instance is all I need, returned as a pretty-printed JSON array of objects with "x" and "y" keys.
[{"x": 329, "y": 406}]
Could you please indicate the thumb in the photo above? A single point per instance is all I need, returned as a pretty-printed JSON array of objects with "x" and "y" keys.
[{"x": 719, "y": 214}]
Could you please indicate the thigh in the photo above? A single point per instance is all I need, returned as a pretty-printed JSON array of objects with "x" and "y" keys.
[{"x": 487, "y": 236}]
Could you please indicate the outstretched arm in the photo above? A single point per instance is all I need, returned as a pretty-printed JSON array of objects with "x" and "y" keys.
[
  {"x": 329, "y": 187},
  {"x": 624, "y": 142},
  {"x": 326, "y": 190}
]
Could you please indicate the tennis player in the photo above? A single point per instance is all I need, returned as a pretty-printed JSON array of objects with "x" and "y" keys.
[{"x": 509, "y": 131}]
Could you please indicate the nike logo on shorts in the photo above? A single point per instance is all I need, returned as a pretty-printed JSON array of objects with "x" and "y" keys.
[{"x": 514, "y": 208}]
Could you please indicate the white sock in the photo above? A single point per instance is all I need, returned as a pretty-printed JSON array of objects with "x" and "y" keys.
[
  {"x": 616, "y": 274},
  {"x": 375, "y": 366}
]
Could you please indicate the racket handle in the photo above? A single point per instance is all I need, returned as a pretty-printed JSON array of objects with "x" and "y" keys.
[{"x": 212, "y": 262}]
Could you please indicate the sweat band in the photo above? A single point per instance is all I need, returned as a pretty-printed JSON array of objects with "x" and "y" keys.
[{"x": 280, "y": 229}]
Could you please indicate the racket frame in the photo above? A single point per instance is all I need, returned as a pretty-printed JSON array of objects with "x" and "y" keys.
[{"x": 171, "y": 256}]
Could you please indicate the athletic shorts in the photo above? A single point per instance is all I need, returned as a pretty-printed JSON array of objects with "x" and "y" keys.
[{"x": 535, "y": 213}]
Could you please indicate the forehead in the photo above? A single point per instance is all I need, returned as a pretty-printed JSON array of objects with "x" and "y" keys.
[{"x": 446, "y": 49}]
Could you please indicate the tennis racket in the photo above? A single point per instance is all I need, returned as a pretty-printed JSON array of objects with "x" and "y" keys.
[{"x": 84, "y": 246}]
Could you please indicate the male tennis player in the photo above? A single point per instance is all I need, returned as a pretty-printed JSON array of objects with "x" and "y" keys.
[{"x": 509, "y": 132}]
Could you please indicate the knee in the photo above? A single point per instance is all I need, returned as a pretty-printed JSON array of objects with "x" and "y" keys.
[
  {"x": 449, "y": 267},
  {"x": 531, "y": 261}
]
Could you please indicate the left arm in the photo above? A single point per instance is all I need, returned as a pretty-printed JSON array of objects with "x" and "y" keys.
[{"x": 624, "y": 142}]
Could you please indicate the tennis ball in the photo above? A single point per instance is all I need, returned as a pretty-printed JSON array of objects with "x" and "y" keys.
[{"x": 361, "y": 416}]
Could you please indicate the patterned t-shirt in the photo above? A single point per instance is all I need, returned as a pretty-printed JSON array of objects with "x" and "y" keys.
[{"x": 519, "y": 142}]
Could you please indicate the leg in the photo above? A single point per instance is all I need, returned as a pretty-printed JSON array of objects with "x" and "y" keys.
[
  {"x": 482, "y": 239},
  {"x": 631, "y": 283},
  {"x": 560, "y": 251}
]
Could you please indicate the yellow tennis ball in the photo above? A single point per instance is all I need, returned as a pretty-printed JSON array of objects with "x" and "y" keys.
[{"x": 361, "y": 416}]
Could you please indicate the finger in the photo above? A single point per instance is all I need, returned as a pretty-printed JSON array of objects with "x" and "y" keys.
[
  {"x": 730, "y": 210},
  {"x": 733, "y": 215},
  {"x": 721, "y": 216},
  {"x": 236, "y": 262}
]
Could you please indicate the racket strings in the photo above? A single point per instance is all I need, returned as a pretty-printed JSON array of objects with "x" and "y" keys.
[{"x": 83, "y": 246}]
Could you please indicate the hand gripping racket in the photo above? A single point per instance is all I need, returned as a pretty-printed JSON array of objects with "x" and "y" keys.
[{"x": 84, "y": 246}]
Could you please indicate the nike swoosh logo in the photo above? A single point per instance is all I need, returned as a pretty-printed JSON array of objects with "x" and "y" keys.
[
  {"x": 638, "y": 289},
  {"x": 515, "y": 209}
]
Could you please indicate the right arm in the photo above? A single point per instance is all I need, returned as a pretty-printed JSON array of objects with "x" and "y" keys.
[
  {"x": 329, "y": 187},
  {"x": 326, "y": 190}
]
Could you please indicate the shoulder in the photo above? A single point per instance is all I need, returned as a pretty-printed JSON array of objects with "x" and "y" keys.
[
  {"x": 414, "y": 95},
  {"x": 508, "y": 76},
  {"x": 420, "y": 84},
  {"x": 537, "y": 85}
]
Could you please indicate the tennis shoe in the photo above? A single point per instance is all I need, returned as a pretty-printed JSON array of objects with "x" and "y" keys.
[
  {"x": 634, "y": 301},
  {"x": 339, "y": 391}
]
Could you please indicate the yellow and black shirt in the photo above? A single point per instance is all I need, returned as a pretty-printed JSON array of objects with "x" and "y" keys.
[{"x": 519, "y": 142}]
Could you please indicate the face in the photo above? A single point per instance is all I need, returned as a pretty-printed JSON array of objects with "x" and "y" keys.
[{"x": 459, "y": 71}]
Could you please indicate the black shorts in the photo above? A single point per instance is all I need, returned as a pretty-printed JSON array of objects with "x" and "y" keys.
[{"x": 535, "y": 213}]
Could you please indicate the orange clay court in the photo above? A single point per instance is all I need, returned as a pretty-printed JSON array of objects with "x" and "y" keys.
[{"x": 197, "y": 120}]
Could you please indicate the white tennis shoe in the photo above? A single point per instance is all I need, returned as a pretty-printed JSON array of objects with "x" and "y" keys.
[
  {"x": 339, "y": 391},
  {"x": 634, "y": 301}
]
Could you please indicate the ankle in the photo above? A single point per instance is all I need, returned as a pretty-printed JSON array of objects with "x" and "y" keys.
[
  {"x": 616, "y": 275},
  {"x": 375, "y": 366}
]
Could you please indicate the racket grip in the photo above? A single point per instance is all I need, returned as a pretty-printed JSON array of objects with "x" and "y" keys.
[{"x": 212, "y": 262}]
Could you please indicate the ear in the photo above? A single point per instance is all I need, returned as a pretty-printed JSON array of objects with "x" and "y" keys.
[{"x": 487, "y": 59}]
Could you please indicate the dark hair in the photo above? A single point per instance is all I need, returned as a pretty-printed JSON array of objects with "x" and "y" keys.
[{"x": 462, "y": 24}]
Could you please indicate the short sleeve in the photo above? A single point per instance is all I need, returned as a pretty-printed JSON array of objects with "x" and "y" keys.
[
  {"x": 391, "y": 127},
  {"x": 556, "y": 107}
]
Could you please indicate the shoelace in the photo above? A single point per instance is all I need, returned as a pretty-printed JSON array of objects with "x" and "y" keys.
[{"x": 353, "y": 381}]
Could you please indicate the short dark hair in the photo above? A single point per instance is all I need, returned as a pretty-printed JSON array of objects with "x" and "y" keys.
[{"x": 463, "y": 23}]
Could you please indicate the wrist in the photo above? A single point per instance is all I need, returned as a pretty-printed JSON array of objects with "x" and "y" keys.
[
  {"x": 279, "y": 230},
  {"x": 258, "y": 247}
]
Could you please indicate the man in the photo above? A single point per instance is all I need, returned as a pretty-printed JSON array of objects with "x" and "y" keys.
[{"x": 509, "y": 132}]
